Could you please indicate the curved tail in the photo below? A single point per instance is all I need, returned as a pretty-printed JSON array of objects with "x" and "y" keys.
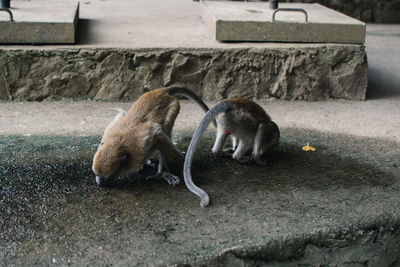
[
  {"x": 189, "y": 93},
  {"x": 223, "y": 106}
]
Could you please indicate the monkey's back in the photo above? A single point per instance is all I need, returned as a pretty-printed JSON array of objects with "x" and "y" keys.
[
  {"x": 150, "y": 108},
  {"x": 243, "y": 118},
  {"x": 248, "y": 106}
]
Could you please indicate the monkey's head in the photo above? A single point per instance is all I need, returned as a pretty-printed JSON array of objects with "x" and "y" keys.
[
  {"x": 272, "y": 138},
  {"x": 113, "y": 158}
]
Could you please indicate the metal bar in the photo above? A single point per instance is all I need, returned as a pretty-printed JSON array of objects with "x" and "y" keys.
[
  {"x": 290, "y": 10},
  {"x": 4, "y": 6},
  {"x": 9, "y": 13}
]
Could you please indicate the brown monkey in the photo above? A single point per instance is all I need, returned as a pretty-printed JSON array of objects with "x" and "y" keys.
[
  {"x": 252, "y": 131},
  {"x": 132, "y": 137}
]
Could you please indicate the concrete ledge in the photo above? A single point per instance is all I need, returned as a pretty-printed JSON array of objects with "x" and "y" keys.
[
  {"x": 313, "y": 72},
  {"x": 253, "y": 21},
  {"x": 375, "y": 245}
]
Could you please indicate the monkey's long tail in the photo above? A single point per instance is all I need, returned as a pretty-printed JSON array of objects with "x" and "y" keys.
[
  {"x": 189, "y": 93},
  {"x": 223, "y": 106}
]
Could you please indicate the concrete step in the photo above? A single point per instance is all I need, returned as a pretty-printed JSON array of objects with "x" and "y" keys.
[
  {"x": 126, "y": 47},
  {"x": 291, "y": 22},
  {"x": 40, "y": 22}
]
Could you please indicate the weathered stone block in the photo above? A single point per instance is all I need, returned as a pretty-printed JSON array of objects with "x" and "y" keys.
[
  {"x": 40, "y": 21},
  {"x": 313, "y": 72}
]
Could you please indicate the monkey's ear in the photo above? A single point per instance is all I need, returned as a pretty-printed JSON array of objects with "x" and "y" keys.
[{"x": 98, "y": 147}]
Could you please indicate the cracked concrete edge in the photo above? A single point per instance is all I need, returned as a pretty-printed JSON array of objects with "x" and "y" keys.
[
  {"x": 377, "y": 244},
  {"x": 315, "y": 72}
]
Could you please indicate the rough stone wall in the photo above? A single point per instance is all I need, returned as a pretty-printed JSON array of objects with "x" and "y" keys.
[
  {"x": 378, "y": 11},
  {"x": 103, "y": 74}
]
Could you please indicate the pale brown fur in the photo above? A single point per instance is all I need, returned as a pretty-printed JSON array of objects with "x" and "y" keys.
[
  {"x": 131, "y": 139},
  {"x": 252, "y": 131}
]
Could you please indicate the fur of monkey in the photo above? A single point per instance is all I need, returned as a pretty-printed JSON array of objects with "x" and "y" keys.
[
  {"x": 252, "y": 131},
  {"x": 130, "y": 140}
]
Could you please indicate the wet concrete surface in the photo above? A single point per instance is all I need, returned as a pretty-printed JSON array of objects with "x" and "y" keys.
[{"x": 345, "y": 193}]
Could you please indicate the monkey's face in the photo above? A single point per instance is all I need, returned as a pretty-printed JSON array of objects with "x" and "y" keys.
[{"x": 113, "y": 159}]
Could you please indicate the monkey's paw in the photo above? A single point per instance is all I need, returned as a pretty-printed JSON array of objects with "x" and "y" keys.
[
  {"x": 226, "y": 153},
  {"x": 229, "y": 151},
  {"x": 261, "y": 161},
  {"x": 170, "y": 178}
]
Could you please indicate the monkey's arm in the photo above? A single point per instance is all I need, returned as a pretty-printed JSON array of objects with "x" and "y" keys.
[
  {"x": 168, "y": 154},
  {"x": 258, "y": 139},
  {"x": 266, "y": 138},
  {"x": 168, "y": 150},
  {"x": 219, "y": 142}
]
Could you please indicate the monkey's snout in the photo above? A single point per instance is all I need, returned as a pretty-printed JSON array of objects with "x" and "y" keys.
[
  {"x": 101, "y": 180},
  {"x": 98, "y": 180}
]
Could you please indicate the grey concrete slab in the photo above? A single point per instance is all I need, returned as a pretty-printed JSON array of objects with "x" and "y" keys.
[
  {"x": 255, "y": 21},
  {"x": 40, "y": 22}
]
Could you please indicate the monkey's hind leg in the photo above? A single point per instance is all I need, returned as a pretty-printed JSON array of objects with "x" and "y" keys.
[
  {"x": 219, "y": 143},
  {"x": 170, "y": 117},
  {"x": 240, "y": 153},
  {"x": 164, "y": 144}
]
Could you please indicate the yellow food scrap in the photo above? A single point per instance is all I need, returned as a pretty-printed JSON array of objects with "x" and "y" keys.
[{"x": 308, "y": 147}]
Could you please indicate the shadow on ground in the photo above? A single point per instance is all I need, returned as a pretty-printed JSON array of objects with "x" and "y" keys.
[
  {"x": 289, "y": 211},
  {"x": 382, "y": 83},
  {"x": 86, "y": 34}
]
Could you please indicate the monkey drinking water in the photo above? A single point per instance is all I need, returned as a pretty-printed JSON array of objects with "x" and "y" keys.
[
  {"x": 132, "y": 137},
  {"x": 252, "y": 131}
]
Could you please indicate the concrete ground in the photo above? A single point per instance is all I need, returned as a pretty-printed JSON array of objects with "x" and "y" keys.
[{"x": 336, "y": 206}]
